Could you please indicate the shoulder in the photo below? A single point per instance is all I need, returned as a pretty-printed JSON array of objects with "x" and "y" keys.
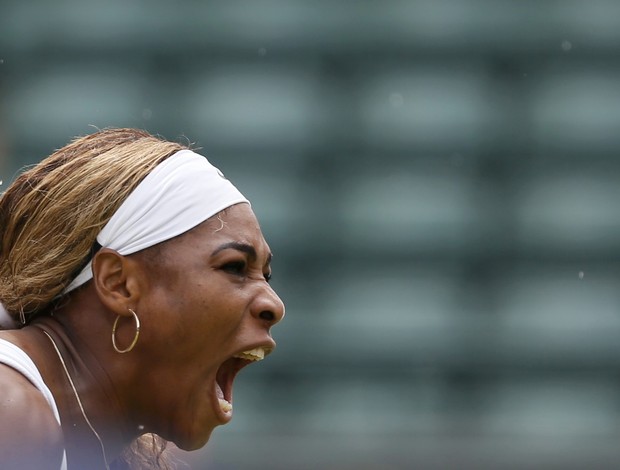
[{"x": 30, "y": 436}]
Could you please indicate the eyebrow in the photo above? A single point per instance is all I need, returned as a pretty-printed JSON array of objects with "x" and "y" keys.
[{"x": 243, "y": 247}]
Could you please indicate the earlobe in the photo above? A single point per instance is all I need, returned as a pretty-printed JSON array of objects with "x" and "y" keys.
[{"x": 113, "y": 276}]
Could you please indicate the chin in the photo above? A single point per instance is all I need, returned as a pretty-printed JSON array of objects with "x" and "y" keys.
[{"x": 190, "y": 443}]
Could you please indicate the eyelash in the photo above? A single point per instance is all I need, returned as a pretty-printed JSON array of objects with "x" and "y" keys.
[
  {"x": 239, "y": 267},
  {"x": 235, "y": 267}
]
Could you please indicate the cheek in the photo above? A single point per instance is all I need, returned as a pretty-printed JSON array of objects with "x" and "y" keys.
[
  {"x": 216, "y": 309},
  {"x": 202, "y": 306}
]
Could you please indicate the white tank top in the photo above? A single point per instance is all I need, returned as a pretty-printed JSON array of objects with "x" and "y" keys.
[{"x": 16, "y": 358}]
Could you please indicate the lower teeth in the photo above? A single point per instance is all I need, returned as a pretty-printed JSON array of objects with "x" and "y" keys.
[{"x": 225, "y": 405}]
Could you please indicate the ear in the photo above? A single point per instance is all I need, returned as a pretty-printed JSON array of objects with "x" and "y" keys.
[{"x": 115, "y": 280}]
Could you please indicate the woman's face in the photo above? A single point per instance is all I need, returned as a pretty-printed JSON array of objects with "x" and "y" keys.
[{"x": 205, "y": 301}]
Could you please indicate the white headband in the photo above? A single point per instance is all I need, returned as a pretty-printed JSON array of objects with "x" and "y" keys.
[{"x": 179, "y": 194}]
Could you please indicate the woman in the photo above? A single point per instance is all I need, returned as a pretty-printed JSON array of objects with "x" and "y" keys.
[{"x": 134, "y": 286}]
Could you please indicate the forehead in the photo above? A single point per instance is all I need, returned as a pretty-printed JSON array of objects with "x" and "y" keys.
[{"x": 235, "y": 223}]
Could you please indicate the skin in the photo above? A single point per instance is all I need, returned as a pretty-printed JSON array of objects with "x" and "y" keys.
[{"x": 201, "y": 298}]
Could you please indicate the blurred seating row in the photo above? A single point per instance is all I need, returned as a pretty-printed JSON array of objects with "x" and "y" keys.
[
  {"x": 449, "y": 25},
  {"x": 454, "y": 108}
]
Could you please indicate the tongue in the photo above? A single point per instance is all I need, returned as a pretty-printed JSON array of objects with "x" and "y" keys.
[
  {"x": 218, "y": 391},
  {"x": 225, "y": 405}
]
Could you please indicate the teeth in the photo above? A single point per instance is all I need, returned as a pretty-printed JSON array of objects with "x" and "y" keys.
[
  {"x": 255, "y": 354},
  {"x": 225, "y": 405}
]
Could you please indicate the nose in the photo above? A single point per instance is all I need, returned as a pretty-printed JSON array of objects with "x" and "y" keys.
[{"x": 268, "y": 306}]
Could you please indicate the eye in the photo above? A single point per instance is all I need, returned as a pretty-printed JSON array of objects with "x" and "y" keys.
[
  {"x": 235, "y": 267},
  {"x": 267, "y": 277}
]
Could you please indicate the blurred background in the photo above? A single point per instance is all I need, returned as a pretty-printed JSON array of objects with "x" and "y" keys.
[{"x": 439, "y": 181}]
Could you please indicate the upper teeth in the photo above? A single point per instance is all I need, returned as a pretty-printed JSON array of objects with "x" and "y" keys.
[{"x": 255, "y": 354}]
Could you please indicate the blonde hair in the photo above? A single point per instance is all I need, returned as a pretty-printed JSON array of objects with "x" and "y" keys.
[
  {"x": 49, "y": 220},
  {"x": 50, "y": 216}
]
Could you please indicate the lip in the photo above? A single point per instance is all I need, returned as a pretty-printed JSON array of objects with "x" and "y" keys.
[{"x": 226, "y": 373}]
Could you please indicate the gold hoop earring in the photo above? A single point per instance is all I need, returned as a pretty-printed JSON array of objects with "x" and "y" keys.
[{"x": 135, "y": 338}]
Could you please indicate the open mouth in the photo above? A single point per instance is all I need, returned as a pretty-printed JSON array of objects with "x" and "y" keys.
[{"x": 228, "y": 371}]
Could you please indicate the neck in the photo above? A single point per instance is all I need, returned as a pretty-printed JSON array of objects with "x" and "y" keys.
[
  {"x": 78, "y": 399},
  {"x": 89, "y": 398}
]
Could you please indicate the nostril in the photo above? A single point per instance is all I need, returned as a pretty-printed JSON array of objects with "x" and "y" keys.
[{"x": 266, "y": 315}]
